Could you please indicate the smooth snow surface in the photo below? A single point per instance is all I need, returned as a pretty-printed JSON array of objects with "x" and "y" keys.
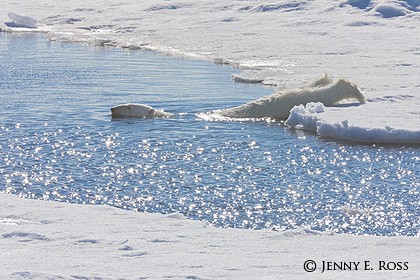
[
  {"x": 51, "y": 240},
  {"x": 284, "y": 43}
]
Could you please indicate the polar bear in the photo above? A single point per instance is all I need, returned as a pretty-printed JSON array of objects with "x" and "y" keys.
[
  {"x": 279, "y": 104},
  {"x": 137, "y": 111}
]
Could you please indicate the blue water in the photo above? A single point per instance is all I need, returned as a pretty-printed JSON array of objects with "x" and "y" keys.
[{"x": 58, "y": 142}]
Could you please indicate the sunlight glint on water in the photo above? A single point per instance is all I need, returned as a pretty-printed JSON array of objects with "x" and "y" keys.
[{"x": 57, "y": 142}]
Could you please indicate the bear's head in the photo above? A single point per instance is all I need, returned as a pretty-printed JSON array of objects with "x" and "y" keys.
[
  {"x": 132, "y": 111},
  {"x": 350, "y": 90}
]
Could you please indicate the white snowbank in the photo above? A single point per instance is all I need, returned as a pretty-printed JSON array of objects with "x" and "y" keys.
[
  {"x": 51, "y": 240},
  {"x": 386, "y": 8},
  {"x": 331, "y": 122},
  {"x": 20, "y": 20},
  {"x": 305, "y": 117}
]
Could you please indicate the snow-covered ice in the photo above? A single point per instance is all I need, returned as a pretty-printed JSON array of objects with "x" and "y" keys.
[
  {"x": 52, "y": 240},
  {"x": 337, "y": 125}
]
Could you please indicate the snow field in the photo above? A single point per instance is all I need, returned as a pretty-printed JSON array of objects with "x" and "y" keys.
[{"x": 51, "y": 240}]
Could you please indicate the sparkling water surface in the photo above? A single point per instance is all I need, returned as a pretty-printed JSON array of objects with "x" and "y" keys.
[{"x": 58, "y": 142}]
